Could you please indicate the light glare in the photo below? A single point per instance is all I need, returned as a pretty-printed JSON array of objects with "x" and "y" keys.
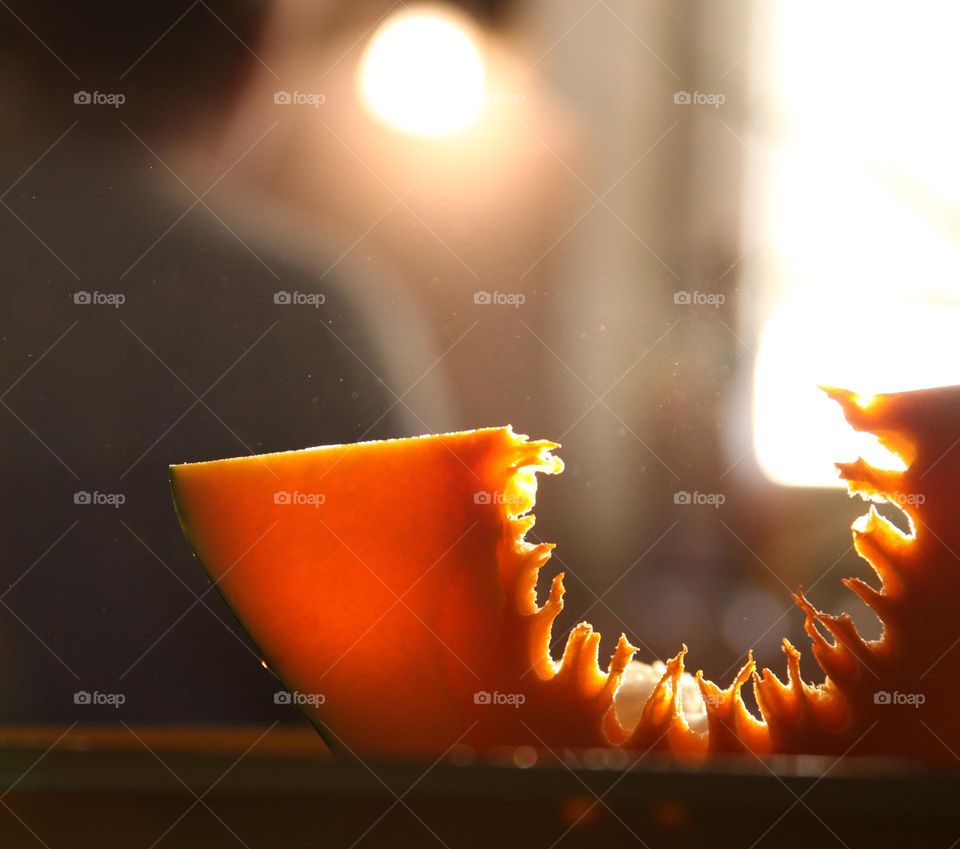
[
  {"x": 798, "y": 431},
  {"x": 423, "y": 74}
]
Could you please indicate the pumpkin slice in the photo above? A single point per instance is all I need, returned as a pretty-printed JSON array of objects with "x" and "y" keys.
[
  {"x": 895, "y": 695},
  {"x": 390, "y": 587}
]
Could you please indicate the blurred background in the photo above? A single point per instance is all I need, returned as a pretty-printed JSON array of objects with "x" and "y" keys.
[{"x": 646, "y": 230}]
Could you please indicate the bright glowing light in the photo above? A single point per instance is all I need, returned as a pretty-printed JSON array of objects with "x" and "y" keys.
[
  {"x": 798, "y": 431},
  {"x": 423, "y": 73},
  {"x": 853, "y": 210}
]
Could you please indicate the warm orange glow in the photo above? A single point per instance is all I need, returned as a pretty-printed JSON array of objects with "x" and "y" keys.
[{"x": 407, "y": 593}]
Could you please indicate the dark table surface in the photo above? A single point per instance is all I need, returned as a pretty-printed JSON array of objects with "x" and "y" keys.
[{"x": 272, "y": 786}]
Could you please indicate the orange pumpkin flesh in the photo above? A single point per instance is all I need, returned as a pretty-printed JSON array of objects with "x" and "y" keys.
[
  {"x": 393, "y": 578},
  {"x": 388, "y": 597}
]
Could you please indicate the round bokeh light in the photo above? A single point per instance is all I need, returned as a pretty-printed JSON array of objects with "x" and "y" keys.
[{"x": 423, "y": 73}]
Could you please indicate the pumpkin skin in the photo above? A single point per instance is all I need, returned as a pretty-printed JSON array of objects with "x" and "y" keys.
[{"x": 395, "y": 580}]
